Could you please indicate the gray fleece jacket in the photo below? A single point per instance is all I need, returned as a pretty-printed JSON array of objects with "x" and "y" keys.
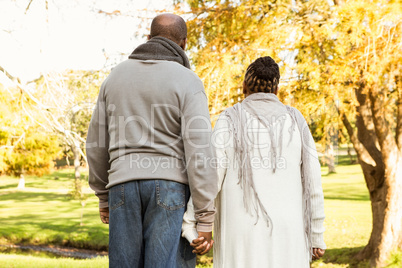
[{"x": 151, "y": 121}]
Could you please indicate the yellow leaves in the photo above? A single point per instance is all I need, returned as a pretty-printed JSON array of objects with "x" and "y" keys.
[{"x": 326, "y": 52}]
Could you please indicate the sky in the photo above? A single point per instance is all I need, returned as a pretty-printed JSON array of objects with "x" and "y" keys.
[{"x": 70, "y": 34}]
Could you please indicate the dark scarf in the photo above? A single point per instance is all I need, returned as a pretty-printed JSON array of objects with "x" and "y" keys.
[{"x": 160, "y": 48}]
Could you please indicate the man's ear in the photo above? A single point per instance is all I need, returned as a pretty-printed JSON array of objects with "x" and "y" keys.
[
  {"x": 276, "y": 91},
  {"x": 149, "y": 36},
  {"x": 183, "y": 43}
]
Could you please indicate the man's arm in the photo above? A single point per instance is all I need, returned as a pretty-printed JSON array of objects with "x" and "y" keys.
[
  {"x": 97, "y": 146},
  {"x": 220, "y": 140},
  {"x": 199, "y": 154}
]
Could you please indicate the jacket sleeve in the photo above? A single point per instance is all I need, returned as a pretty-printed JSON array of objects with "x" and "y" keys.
[
  {"x": 312, "y": 169},
  {"x": 199, "y": 155},
  {"x": 97, "y": 145}
]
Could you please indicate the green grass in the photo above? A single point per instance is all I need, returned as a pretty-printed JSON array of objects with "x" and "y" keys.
[
  {"x": 348, "y": 216},
  {"x": 44, "y": 213},
  {"x": 20, "y": 261}
]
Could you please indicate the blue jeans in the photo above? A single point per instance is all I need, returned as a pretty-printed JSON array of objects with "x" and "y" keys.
[{"x": 145, "y": 225}]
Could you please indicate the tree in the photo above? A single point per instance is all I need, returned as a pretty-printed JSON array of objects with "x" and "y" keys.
[
  {"x": 25, "y": 147},
  {"x": 62, "y": 103},
  {"x": 342, "y": 54},
  {"x": 356, "y": 51},
  {"x": 69, "y": 99}
]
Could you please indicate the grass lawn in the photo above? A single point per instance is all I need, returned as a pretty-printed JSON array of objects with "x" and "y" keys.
[
  {"x": 348, "y": 216},
  {"x": 43, "y": 213},
  {"x": 21, "y": 261}
]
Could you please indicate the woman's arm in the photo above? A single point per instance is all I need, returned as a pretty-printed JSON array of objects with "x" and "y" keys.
[
  {"x": 312, "y": 169},
  {"x": 220, "y": 138}
]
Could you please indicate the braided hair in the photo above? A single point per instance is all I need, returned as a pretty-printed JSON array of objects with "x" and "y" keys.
[{"x": 262, "y": 76}]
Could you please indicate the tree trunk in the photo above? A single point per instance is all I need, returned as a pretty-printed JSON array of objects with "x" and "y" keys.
[
  {"x": 21, "y": 182},
  {"x": 330, "y": 156},
  {"x": 75, "y": 146},
  {"x": 381, "y": 162},
  {"x": 386, "y": 203},
  {"x": 77, "y": 173},
  {"x": 387, "y": 199},
  {"x": 352, "y": 161}
]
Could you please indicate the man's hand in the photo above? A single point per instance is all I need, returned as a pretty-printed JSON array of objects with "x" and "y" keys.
[
  {"x": 104, "y": 215},
  {"x": 318, "y": 253},
  {"x": 207, "y": 236},
  {"x": 203, "y": 243}
]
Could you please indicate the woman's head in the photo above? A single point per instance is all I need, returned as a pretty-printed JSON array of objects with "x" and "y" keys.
[{"x": 262, "y": 76}]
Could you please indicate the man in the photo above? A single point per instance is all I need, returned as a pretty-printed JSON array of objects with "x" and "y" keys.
[
  {"x": 147, "y": 145},
  {"x": 270, "y": 206}
]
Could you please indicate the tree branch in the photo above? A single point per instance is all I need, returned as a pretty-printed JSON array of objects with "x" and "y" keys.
[
  {"x": 21, "y": 87},
  {"x": 338, "y": 2},
  {"x": 382, "y": 127},
  {"x": 398, "y": 80},
  {"x": 364, "y": 123},
  {"x": 7, "y": 31},
  {"x": 113, "y": 13},
  {"x": 371, "y": 163},
  {"x": 361, "y": 151},
  {"x": 11, "y": 147},
  {"x": 52, "y": 120},
  {"x": 12, "y": 78},
  {"x": 35, "y": 80},
  {"x": 30, "y": 115},
  {"x": 26, "y": 10}
]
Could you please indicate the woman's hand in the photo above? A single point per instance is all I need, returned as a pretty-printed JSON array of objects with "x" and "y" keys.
[
  {"x": 318, "y": 253},
  {"x": 203, "y": 243}
]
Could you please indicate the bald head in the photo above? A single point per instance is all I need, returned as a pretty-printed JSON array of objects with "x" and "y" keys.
[{"x": 169, "y": 26}]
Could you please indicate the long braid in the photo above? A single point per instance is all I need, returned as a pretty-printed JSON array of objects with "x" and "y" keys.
[{"x": 262, "y": 76}]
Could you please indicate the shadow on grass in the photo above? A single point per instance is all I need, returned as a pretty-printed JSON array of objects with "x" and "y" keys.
[
  {"x": 50, "y": 218},
  {"x": 345, "y": 191},
  {"x": 341, "y": 160},
  {"x": 344, "y": 160},
  {"x": 9, "y": 186},
  {"x": 344, "y": 256},
  {"x": 68, "y": 234},
  {"x": 21, "y": 196},
  {"x": 352, "y": 197},
  {"x": 332, "y": 256}
]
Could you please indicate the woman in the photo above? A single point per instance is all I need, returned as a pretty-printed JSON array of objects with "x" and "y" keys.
[{"x": 270, "y": 207}]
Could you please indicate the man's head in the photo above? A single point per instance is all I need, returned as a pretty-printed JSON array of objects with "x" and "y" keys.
[
  {"x": 261, "y": 76},
  {"x": 170, "y": 26}
]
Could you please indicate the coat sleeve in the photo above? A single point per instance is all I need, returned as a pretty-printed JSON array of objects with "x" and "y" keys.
[{"x": 312, "y": 170}]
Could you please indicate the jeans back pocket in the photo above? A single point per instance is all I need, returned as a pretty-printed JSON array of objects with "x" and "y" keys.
[
  {"x": 116, "y": 196},
  {"x": 170, "y": 195}
]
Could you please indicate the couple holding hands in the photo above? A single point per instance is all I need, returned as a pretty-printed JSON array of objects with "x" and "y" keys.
[{"x": 165, "y": 180}]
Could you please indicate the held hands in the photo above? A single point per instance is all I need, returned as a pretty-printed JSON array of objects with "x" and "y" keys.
[
  {"x": 104, "y": 215},
  {"x": 203, "y": 243},
  {"x": 318, "y": 253}
]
